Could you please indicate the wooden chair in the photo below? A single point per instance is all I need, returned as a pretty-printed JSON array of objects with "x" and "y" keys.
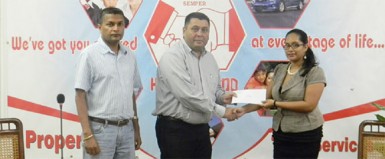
[
  {"x": 371, "y": 143},
  {"x": 11, "y": 139}
]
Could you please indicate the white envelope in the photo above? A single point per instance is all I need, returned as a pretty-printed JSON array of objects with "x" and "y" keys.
[{"x": 254, "y": 96}]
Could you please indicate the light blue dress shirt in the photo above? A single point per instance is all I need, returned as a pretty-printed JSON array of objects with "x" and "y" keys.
[
  {"x": 109, "y": 80},
  {"x": 188, "y": 87}
]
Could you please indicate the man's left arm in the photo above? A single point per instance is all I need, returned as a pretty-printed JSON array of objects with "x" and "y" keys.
[
  {"x": 135, "y": 122},
  {"x": 223, "y": 98},
  {"x": 227, "y": 97}
]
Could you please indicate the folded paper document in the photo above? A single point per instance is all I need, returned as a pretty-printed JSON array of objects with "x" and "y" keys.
[{"x": 254, "y": 96}]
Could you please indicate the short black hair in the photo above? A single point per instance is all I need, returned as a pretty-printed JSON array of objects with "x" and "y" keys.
[
  {"x": 198, "y": 15},
  {"x": 112, "y": 10}
]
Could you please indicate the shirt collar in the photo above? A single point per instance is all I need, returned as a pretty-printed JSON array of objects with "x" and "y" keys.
[{"x": 105, "y": 49}]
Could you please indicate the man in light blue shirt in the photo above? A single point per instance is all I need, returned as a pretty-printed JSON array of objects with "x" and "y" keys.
[
  {"x": 188, "y": 93},
  {"x": 106, "y": 79}
]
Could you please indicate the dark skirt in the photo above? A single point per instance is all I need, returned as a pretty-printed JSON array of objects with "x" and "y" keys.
[{"x": 302, "y": 145}]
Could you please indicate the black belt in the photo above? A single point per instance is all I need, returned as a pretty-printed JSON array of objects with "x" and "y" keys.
[
  {"x": 169, "y": 118},
  {"x": 111, "y": 122},
  {"x": 178, "y": 120}
]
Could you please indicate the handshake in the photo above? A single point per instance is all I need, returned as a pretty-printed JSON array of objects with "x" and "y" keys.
[{"x": 232, "y": 114}]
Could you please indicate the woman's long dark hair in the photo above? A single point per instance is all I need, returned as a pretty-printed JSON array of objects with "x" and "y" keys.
[{"x": 310, "y": 60}]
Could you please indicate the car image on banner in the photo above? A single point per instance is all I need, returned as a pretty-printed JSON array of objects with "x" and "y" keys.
[{"x": 276, "y": 5}]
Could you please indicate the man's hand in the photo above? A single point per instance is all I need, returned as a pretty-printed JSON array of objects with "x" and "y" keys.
[
  {"x": 228, "y": 97},
  {"x": 239, "y": 112},
  {"x": 138, "y": 142},
  {"x": 230, "y": 115},
  {"x": 91, "y": 146}
]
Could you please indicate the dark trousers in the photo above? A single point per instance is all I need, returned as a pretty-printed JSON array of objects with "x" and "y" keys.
[
  {"x": 303, "y": 145},
  {"x": 181, "y": 140}
]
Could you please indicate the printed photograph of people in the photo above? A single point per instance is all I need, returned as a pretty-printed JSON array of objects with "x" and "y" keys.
[
  {"x": 261, "y": 78},
  {"x": 94, "y": 7}
]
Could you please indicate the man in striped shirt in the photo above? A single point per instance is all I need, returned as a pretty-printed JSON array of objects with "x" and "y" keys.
[{"x": 107, "y": 79}]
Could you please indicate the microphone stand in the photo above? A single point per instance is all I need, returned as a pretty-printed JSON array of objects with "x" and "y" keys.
[
  {"x": 61, "y": 131},
  {"x": 60, "y": 99}
]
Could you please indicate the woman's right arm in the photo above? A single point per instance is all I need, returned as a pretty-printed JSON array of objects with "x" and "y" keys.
[{"x": 246, "y": 109}]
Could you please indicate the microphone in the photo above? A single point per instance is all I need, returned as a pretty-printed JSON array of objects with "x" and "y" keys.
[{"x": 60, "y": 99}]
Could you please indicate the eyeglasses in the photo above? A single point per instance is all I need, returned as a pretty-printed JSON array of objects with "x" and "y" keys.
[{"x": 293, "y": 46}]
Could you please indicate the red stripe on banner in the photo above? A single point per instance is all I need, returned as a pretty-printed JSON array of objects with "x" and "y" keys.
[
  {"x": 353, "y": 111},
  {"x": 148, "y": 154},
  {"x": 40, "y": 109},
  {"x": 237, "y": 33},
  {"x": 159, "y": 21}
]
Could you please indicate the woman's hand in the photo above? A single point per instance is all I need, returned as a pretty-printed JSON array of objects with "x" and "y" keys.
[{"x": 268, "y": 104}]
